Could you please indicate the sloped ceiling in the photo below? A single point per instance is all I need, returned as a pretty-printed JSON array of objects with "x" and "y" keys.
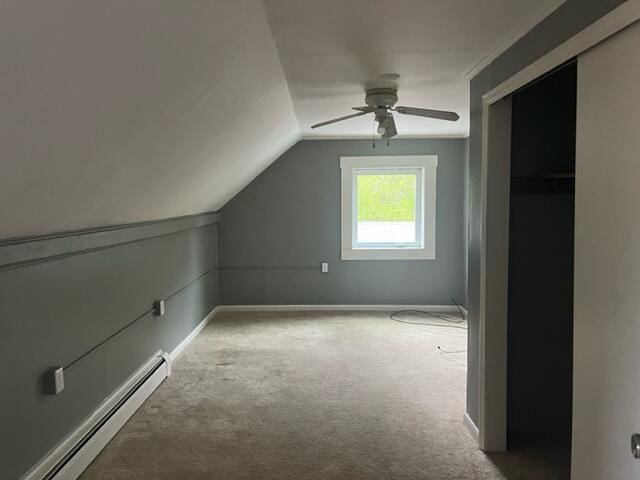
[
  {"x": 130, "y": 110},
  {"x": 121, "y": 111},
  {"x": 331, "y": 49}
]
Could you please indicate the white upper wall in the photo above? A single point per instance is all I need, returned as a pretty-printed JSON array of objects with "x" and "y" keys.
[{"x": 121, "y": 111}]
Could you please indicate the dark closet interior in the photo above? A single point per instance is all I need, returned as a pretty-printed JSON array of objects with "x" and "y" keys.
[{"x": 541, "y": 240}]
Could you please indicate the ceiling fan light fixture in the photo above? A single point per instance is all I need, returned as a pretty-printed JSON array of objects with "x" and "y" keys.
[{"x": 380, "y": 101}]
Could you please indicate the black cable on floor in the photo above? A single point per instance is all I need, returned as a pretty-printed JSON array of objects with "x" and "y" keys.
[
  {"x": 450, "y": 351},
  {"x": 435, "y": 315},
  {"x": 444, "y": 317}
]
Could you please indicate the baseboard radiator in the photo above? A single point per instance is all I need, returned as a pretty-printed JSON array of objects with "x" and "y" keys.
[{"x": 73, "y": 455}]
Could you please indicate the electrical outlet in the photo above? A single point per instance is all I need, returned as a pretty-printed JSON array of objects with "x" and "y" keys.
[
  {"x": 158, "y": 308},
  {"x": 325, "y": 267},
  {"x": 55, "y": 381}
]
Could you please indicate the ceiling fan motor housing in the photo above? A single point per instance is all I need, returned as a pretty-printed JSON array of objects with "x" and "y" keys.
[{"x": 381, "y": 97}]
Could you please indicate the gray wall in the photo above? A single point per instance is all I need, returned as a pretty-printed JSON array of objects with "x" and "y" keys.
[
  {"x": 54, "y": 308},
  {"x": 276, "y": 232},
  {"x": 567, "y": 20},
  {"x": 465, "y": 220}
]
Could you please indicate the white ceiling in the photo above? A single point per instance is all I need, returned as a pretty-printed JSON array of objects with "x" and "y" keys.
[
  {"x": 331, "y": 48},
  {"x": 118, "y": 111}
]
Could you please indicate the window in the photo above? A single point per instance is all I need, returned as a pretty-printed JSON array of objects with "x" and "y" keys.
[{"x": 388, "y": 207}]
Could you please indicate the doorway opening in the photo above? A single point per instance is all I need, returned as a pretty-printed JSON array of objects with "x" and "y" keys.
[{"x": 540, "y": 269}]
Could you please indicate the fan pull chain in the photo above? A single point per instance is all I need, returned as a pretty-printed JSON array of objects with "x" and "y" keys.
[{"x": 373, "y": 137}]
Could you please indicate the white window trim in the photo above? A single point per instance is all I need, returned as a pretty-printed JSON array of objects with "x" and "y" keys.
[{"x": 427, "y": 164}]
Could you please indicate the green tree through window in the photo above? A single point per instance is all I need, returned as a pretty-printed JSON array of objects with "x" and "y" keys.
[{"x": 386, "y": 198}]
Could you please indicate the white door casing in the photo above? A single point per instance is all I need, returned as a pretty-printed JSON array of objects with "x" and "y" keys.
[{"x": 495, "y": 137}]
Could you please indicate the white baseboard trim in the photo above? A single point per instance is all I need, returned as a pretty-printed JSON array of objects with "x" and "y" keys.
[
  {"x": 196, "y": 331},
  {"x": 471, "y": 427},
  {"x": 81, "y": 460},
  {"x": 86, "y": 455},
  {"x": 337, "y": 308}
]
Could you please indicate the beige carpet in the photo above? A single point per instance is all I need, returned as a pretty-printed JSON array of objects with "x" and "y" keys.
[{"x": 306, "y": 396}]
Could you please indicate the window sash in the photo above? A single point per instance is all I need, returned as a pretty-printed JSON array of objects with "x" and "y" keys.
[{"x": 418, "y": 208}]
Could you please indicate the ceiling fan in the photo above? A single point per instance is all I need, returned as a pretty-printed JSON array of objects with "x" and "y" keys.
[{"x": 380, "y": 101}]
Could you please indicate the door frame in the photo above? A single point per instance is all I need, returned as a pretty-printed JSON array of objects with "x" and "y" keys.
[{"x": 494, "y": 220}]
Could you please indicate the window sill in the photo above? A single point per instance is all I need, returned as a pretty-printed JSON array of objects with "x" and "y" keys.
[{"x": 387, "y": 254}]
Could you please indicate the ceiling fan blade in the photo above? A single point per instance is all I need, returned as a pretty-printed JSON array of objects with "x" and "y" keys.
[
  {"x": 423, "y": 112},
  {"x": 367, "y": 109},
  {"x": 390, "y": 130},
  {"x": 329, "y": 122}
]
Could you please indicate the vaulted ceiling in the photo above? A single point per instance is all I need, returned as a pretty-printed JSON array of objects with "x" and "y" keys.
[{"x": 122, "y": 111}]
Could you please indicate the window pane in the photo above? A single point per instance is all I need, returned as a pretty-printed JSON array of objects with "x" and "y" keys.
[{"x": 386, "y": 205}]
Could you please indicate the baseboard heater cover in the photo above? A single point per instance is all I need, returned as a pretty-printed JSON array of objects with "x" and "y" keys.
[{"x": 74, "y": 454}]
